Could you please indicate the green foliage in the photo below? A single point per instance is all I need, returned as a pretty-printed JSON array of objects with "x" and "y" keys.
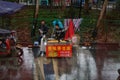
[
  {"x": 69, "y": 13},
  {"x": 118, "y": 4}
]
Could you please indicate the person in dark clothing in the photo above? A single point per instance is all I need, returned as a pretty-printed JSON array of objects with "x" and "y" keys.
[
  {"x": 43, "y": 29},
  {"x": 118, "y": 78},
  {"x": 2, "y": 44},
  {"x": 59, "y": 32},
  {"x": 94, "y": 34}
]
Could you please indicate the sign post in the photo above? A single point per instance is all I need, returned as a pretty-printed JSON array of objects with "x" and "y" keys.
[{"x": 59, "y": 50}]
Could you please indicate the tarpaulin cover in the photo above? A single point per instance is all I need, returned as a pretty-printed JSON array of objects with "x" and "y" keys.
[
  {"x": 9, "y": 7},
  {"x": 4, "y": 31},
  {"x": 58, "y": 22}
]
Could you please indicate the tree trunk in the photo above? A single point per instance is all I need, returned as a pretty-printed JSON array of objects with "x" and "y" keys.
[
  {"x": 100, "y": 25},
  {"x": 51, "y": 6},
  {"x": 118, "y": 5},
  {"x": 86, "y": 6},
  {"x": 63, "y": 5},
  {"x": 36, "y": 9},
  {"x": 80, "y": 9},
  {"x": 35, "y": 18},
  {"x": 17, "y": 1},
  {"x": 102, "y": 13}
]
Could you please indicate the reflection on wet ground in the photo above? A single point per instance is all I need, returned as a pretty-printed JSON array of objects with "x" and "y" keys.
[
  {"x": 86, "y": 64},
  {"x": 10, "y": 71}
]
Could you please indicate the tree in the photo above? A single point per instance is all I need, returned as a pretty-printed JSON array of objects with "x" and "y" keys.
[
  {"x": 80, "y": 8},
  {"x": 35, "y": 17},
  {"x": 101, "y": 29},
  {"x": 102, "y": 12},
  {"x": 118, "y": 4},
  {"x": 86, "y": 6},
  {"x": 50, "y": 3},
  {"x": 63, "y": 5}
]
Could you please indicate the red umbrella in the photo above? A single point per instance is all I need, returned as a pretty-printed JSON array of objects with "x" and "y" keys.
[{"x": 70, "y": 32}]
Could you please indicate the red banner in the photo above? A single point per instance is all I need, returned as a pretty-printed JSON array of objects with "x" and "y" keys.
[{"x": 59, "y": 51}]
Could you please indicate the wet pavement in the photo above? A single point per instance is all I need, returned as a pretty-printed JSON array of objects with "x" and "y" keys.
[
  {"x": 86, "y": 64},
  {"x": 10, "y": 71}
]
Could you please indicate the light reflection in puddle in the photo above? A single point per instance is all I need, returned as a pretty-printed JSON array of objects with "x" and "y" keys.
[
  {"x": 85, "y": 66},
  {"x": 109, "y": 71},
  {"x": 86, "y": 69}
]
